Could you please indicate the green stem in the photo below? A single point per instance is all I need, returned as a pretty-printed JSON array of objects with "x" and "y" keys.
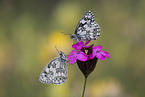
[{"x": 84, "y": 87}]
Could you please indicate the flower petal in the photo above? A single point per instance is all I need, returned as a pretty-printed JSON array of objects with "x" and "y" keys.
[
  {"x": 100, "y": 56},
  {"x": 105, "y": 54},
  {"x": 92, "y": 55},
  {"x": 78, "y": 45},
  {"x": 95, "y": 51},
  {"x": 87, "y": 42},
  {"x": 72, "y": 57},
  {"x": 86, "y": 46},
  {"x": 97, "y": 48},
  {"x": 82, "y": 56}
]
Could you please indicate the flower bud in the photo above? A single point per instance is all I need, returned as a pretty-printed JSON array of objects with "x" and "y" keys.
[{"x": 88, "y": 66}]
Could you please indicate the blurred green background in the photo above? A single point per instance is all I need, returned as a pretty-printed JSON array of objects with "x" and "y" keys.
[{"x": 30, "y": 30}]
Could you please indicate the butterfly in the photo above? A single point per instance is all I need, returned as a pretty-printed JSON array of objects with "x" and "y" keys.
[
  {"x": 56, "y": 71},
  {"x": 87, "y": 29}
]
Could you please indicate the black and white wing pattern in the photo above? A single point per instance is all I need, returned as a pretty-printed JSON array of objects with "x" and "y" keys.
[
  {"x": 56, "y": 71},
  {"x": 87, "y": 29}
]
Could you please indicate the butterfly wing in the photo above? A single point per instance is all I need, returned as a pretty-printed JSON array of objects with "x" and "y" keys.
[
  {"x": 55, "y": 72},
  {"x": 87, "y": 29}
]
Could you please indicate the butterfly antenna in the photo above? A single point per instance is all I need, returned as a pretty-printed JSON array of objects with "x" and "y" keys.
[
  {"x": 66, "y": 33},
  {"x": 57, "y": 49}
]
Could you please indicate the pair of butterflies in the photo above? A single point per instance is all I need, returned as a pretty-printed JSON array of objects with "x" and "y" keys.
[{"x": 56, "y": 71}]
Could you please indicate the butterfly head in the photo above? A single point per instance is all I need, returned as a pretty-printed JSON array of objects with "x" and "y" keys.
[
  {"x": 62, "y": 55},
  {"x": 76, "y": 37},
  {"x": 73, "y": 36}
]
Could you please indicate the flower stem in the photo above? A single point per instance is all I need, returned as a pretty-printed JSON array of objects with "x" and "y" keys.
[{"x": 84, "y": 87}]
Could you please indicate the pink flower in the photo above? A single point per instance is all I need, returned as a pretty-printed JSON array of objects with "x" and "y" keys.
[
  {"x": 100, "y": 54},
  {"x": 86, "y": 61},
  {"x": 74, "y": 55},
  {"x": 80, "y": 45},
  {"x": 79, "y": 52}
]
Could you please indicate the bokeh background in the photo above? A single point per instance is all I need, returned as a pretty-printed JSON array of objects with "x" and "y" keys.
[{"x": 30, "y": 30}]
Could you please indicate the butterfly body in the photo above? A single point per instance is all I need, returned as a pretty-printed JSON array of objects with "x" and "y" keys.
[
  {"x": 55, "y": 72},
  {"x": 87, "y": 29}
]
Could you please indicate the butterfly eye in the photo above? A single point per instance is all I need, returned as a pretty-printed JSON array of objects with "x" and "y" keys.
[
  {"x": 73, "y": 37},
  {"x": 60, "y": 54}
]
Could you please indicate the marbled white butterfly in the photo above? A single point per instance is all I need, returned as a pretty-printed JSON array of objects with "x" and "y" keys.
[
  {"x": 56, "y": 71},
  {"x": 87, "y": 29}
]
